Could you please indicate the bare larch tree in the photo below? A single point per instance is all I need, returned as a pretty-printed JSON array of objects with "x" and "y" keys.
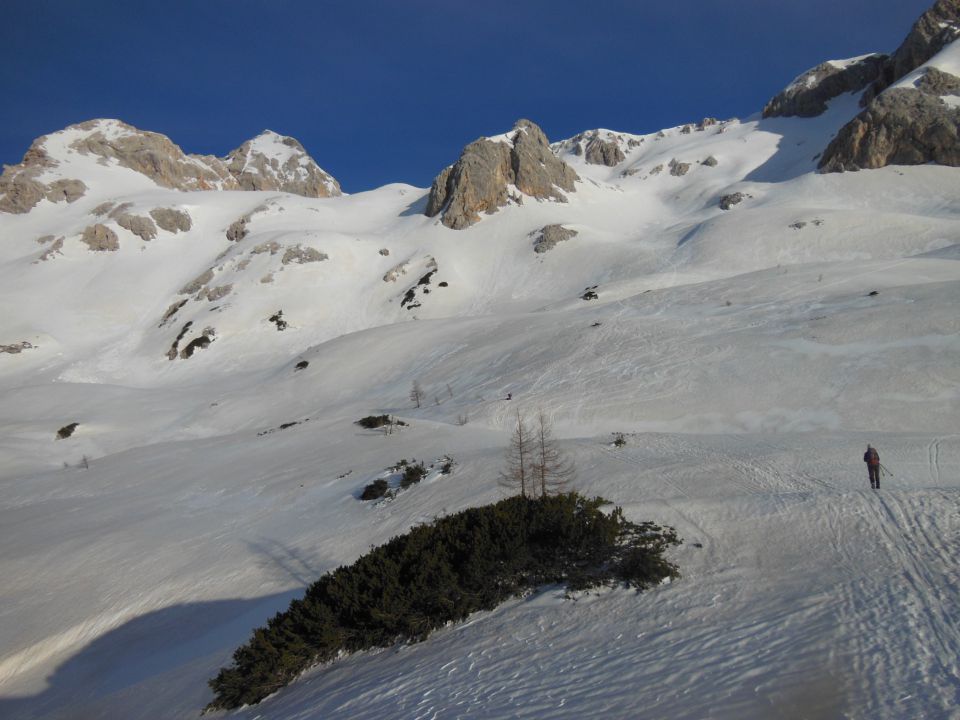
[
  {"x": 520, "y": 457},
  {"x": 416, "y": 393},
  {"x": 552, "y": 470}
]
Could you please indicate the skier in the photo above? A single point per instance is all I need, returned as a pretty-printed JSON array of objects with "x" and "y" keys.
[{"x": 872, "y": 458}]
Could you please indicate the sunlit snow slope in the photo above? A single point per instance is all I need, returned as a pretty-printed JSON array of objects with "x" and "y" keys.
[{"x": 748, "y": 354}]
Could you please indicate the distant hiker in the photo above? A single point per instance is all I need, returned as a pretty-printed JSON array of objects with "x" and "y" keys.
[{"x": 872, "y": 458}]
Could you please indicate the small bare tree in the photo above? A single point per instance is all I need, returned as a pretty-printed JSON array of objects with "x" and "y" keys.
[
  {"x": 552, "y": 470},
  {"x": 416, "y": 393},
  {"x": 520, "y": 456}
]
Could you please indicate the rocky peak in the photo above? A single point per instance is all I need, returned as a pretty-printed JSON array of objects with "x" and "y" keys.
[
  {"x": 932, "y": 32},
  {"x": 56, "y": 165},
  {"x": 151, "y": 154},
  {"x": 808, "y": 95},
  {"x": 276, "y": 162},
  {"x": 479, "y": 180},
  {"x": 912, "y": 112}
]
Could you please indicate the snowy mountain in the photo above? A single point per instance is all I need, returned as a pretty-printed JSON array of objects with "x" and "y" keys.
[{"x": 187, "y": 341}]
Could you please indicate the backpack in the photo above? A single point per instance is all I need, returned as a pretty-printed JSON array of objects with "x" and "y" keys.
[{"x": 872, "y": 457}]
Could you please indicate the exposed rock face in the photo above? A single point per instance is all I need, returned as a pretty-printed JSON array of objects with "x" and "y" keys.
[
  {"x": 20, "y": 189},
  {"x": 599, "y": 147},
  {"x": 808, "y": 95},
  {"x": 906, "y": 125},
  {"x": 268, "y": 162},
  {"x": 275, "y": 162},
  {"x": 140, "y": 226},
  {"x": 153, "y": 155},
  {"x": 100, "y": 238},
  {"x": 711, "y": 161},
  {"x": 550, "y": 235},
  {"x": 172, "y": 220},
  {"x": 479, "y": 179},
  {"x": 903, "y": 126},
  {"x": 934, "y": 30},
  {"x": 939, "y": 83},
  {"x": 603, "y": 152}
]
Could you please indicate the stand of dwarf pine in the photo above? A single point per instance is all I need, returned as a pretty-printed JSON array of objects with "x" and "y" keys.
[{"x": 443, "y": 571}]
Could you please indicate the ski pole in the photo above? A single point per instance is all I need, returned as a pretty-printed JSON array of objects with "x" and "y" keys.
[{"x": 884, "y": 469}]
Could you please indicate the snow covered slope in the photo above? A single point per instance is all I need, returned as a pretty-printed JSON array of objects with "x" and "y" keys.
[{"x": 748, "y": 323}]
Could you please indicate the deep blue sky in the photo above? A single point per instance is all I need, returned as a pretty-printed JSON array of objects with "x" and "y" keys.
[{"x": 390, "y": 91}]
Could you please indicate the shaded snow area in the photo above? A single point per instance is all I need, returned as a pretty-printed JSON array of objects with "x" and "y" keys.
[{"x": 748, "y": 355}]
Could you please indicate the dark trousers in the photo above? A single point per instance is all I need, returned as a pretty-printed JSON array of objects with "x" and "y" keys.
[{"x": 874, "y": 476}]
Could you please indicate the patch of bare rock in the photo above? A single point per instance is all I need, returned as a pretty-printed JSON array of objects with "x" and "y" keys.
[{"x": 478, "y": 182}]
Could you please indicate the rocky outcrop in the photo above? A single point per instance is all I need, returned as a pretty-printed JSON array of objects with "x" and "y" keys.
[
  {"x": 21, "y": 190},
  {"x": 238, "y": 229},
  {"x": 909, "y": 124},
  {"x": 197, "y": 283},
  {"x": 934, "y": 30},
  {"x": 603, "y": 152},
  {"x": 171, "y": 220},
  {"x": 550, "y": 235},
  {"x": 100, "y": 238},
  {"x": 903, "y": 126},
  {"x": 808, "y": 95},
  {"x": 478, "y": 181},
  {"x": 16, "y": 348},
  {"x": 728, "y": 201},
  {"x": 301, "y": 255},
  {"x": 276, "y": 162},
  {"x": 151, "y": 154},
  {"x": 678, "y": 169},
  {"x": 142, "y": 227}
]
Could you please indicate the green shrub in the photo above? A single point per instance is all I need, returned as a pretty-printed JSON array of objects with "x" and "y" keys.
[
  {"x": 412, "y": 474},
  {"x": 442, "y": 572},
  {"x": 377, "y": 489},
  {"x": 372, "y": 422}
]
